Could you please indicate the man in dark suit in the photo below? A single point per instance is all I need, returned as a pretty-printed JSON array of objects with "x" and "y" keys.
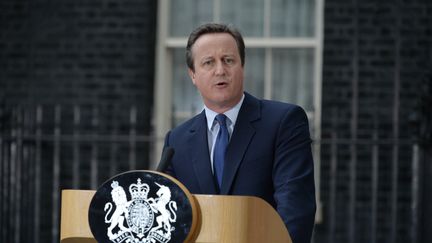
[{"x": 259, "y": 148}]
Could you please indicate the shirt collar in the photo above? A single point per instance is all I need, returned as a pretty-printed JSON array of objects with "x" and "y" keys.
[{"x": 231, "y": 114}]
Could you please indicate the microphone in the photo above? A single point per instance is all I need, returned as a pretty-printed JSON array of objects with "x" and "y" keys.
[{"x": 166, "y": 157}]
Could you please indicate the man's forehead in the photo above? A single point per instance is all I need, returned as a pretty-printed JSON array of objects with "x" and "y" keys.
[
  {"x": 214, "y": 38},
  {"x": 215, "y": 42}
]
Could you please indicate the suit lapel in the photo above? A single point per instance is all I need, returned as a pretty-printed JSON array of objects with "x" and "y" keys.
[
  {"x": 241, "y": 138},
  {"x": 198, "y": 148}
]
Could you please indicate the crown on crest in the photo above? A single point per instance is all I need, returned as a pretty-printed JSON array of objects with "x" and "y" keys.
[{"x": 139, "y": 190}]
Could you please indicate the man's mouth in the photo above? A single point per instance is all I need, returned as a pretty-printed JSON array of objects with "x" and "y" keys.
[{"x": 221, "y": 83}]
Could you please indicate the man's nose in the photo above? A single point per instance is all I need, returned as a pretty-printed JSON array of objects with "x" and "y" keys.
[{"x": 219, "y": 68}]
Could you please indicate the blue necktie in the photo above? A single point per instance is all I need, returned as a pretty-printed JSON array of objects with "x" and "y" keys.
[{"x": 220, "y": 148}]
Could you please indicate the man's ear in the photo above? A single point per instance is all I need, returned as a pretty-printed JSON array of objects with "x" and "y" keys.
[{"x": 191, "y": 75}]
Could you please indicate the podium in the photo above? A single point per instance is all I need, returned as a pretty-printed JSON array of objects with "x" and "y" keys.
[{"x": 238, "y": 219}]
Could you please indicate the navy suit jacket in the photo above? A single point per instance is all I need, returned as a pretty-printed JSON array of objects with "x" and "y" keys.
[{"x": 268, "y": 156}]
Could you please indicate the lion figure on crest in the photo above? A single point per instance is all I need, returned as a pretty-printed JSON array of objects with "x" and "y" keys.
[{"x": 120, "y": 213}]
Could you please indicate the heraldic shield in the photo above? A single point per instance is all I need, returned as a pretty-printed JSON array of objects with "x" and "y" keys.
[{"x": 142, "y": 207}]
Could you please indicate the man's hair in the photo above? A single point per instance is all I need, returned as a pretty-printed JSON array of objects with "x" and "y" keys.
[{"x": 214, "y": 28}]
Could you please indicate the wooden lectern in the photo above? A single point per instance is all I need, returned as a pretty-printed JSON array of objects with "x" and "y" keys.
[{"x": 221, "y": 219}]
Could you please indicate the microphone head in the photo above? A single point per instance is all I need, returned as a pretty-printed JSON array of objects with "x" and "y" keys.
[{"x": 166, "y": 157}]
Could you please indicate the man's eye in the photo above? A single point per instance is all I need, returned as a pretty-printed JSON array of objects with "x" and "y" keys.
[
  {"x": 207, "y": 63},
  {"x": 229, "y": 61}
]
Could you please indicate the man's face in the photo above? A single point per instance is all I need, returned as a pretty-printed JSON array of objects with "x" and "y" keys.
[{"x": 218, "y": 71}]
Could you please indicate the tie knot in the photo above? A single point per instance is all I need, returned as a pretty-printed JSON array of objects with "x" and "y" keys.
[{"x": 221, "y": 119}]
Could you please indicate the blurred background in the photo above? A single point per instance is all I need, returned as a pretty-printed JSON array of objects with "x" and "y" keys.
[{"x": 88, "y": 89}]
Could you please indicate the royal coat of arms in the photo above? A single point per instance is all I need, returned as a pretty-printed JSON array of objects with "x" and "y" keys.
[{"x": 133, "y": 221}]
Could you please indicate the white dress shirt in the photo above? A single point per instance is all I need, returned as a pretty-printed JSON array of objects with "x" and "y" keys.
[{"x": 213, "y": 126}]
